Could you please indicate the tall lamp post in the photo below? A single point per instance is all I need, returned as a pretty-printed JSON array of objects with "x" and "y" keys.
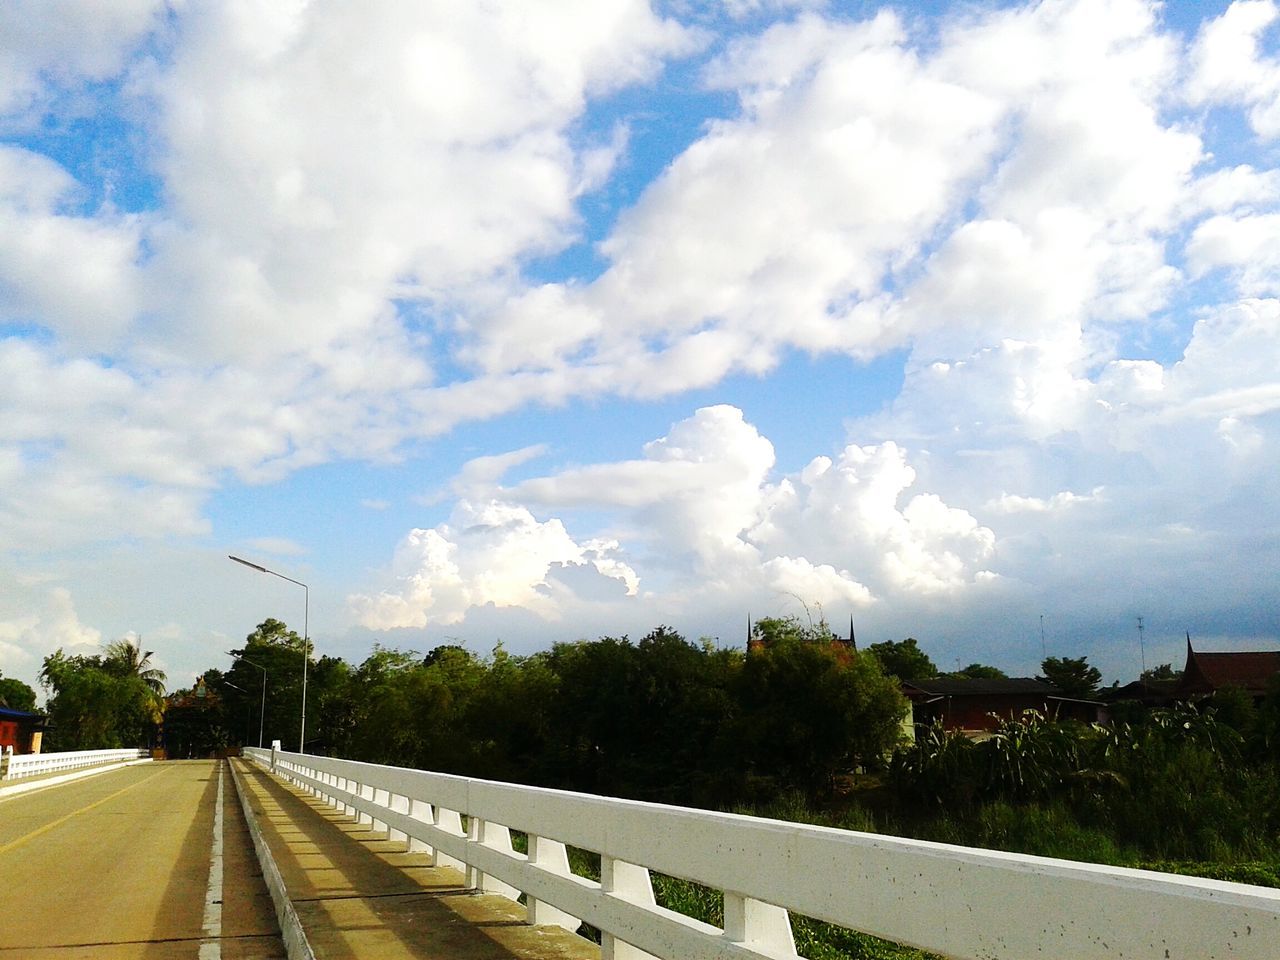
[
  {"x": 262, "y": 713},
  {"x": 306, "y": 616},
  {"x": 248, "y": 717}
]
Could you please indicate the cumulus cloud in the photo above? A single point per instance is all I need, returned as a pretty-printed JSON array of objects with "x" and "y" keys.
[
  {"x": 488, "y": 553},
  {"x": 1247, "y": 245},
  {"x": 343, "y": 255},
  {"x": 1229, "y": 68},
  {"x": 706, "y": 518},
  {"x": 48, "y": 43},
  {"x": 76, "y": 275},
  {"x": 47, "y": 620}
]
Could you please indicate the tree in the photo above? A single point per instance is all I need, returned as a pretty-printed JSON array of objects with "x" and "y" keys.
[
  {"x": 1162, "y": 673},
  {"x": 95, "y": 705},
  {"x": 16, "y": 695},
  {"x": 1072, "y": 675},
  {"x": 812, "y": 711},
  {"x": 277, "y": 649},
  {"x": 128, "y": 659},
  {"x": 904, "y": 659},
  {"x": 979, "y": 671}
]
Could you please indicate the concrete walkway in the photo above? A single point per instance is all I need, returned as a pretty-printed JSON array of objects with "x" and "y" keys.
[{"x": 360, "y": 895}]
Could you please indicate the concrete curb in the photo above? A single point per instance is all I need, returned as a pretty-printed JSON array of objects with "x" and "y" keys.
[
  {"x": 21, "y": 786},
  {"x": 296, "y": 945}
]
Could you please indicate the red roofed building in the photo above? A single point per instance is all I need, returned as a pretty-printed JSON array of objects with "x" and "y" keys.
[
  {"x": 1206, "y": 673},
  {"x": 980, "y": 705}
]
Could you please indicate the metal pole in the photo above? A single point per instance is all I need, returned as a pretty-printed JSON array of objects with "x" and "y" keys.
[
  {"x": 306, "y": 640},
  {"x": 262, "y": 711},
  {"x": 306, "y": 656}
]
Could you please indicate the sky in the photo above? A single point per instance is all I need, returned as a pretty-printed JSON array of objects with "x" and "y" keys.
[{"x": 532, "y": 322}]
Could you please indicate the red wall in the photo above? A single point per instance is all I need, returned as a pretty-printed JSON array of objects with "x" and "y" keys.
[{"x": 973, "y": 713}]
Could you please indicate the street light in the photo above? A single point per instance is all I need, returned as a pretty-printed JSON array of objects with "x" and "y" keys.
[
  {"x": 263, "y": 712},
  {"x": 248, "y": 717},
  {"x": 306, "y": 616}
]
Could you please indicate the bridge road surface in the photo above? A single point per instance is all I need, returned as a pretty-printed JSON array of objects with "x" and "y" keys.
[
  {"x": 117, "y": 866},
  {"x": 359, "y": 895}
]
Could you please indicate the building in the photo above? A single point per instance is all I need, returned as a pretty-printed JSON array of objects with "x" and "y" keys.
[
  {"x": 20, "y": 731},
  {"x": 1207, "y": 673},
  {"x": 980, "y": 705}
]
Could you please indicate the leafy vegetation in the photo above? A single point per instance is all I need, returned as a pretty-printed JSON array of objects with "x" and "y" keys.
[
  {"x": 102, "y": 702},
  {"x": 1072, "y": 675},
  {"x": 16, "y": 695},
  {"x": 903, "y": 659},
  {"x": 1181, "y": 784}
]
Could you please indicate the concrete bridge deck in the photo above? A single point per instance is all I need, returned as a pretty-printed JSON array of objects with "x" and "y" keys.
[
  {"x": 117, "y": 866},
  {"x": 121, "y": 866},
  {"x": 360, "y": 895}
]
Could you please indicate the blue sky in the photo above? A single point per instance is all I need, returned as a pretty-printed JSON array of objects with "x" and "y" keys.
[{"x": 533, "y": 325}]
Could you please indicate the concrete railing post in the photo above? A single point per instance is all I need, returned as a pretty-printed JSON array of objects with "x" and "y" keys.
[
  {"x": 398, "y": 804},
  {"x": 496, "y": 837},
  {"x": 629, "y": 882},
  {"x": 758, "y": 924},
  {"x": 552, "y": 856},
  {"x": 420, "y": 810},
  {"x": 449, "y": 821}
]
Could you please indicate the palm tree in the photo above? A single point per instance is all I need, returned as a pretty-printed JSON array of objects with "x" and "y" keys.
[{"x": 129, "y": 659}]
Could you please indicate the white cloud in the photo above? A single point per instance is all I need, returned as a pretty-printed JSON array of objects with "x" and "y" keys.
[
  {"x": 47, "y": 42},
  {"x": 1063, "y": 500},
  {"x": 1229, "y": 69},
  {"x": 47, "y": 621},
  {"x": 489, "y": 553},
  {"x": 851, "y": 509},
  {"x": 483, "y": 472},
  {"x": 75, "y": 275},
  {"x": 705, "y": 521},
  {"x": 335, "y": 261},
  {"x": 1248, "y": 246}
]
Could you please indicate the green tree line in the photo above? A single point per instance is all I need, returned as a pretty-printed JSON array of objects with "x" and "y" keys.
[{"x": 661, "y": 718}]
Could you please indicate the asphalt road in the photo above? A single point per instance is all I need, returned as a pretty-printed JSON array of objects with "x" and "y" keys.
[{"x": 125, "y": 865}]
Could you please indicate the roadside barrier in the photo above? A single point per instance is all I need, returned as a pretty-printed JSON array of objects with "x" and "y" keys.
[{"x": 958, "y": 901}]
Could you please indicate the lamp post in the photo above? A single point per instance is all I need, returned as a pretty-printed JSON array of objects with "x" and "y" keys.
[
  {"x": 247, "y": 716},
  {"x": 262, "y": 713},
  {"x": 306, "y": 616}
]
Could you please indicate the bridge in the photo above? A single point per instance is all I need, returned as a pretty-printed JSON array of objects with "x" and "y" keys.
[{"x": 286, "y": 855}]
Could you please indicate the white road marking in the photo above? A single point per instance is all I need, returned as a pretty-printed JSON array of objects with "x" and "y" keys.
[{"x": 211, "y": 947}]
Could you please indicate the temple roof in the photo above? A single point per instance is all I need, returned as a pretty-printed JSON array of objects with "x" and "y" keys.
[{"x": 1250, "y": 671}]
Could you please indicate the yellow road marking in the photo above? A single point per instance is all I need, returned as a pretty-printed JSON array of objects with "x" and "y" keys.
[{"x": 74, "y": 813}]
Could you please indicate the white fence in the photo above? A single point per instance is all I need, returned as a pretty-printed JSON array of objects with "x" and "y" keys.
[
  {"x": 957, "y": 901},
  {"x": 15, "y": 767}
]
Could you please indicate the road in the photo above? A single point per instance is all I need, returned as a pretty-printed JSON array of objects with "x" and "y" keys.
[{"x": 135, "y": 863}]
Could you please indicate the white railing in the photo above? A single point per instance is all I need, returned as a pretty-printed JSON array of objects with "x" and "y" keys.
[
  {"x": 957, "y": 901},
  {"x": 17, "y": 766}
]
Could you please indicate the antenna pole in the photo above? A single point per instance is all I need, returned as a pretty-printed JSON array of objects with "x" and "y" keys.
[{"x": 1142, "y": 647}]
